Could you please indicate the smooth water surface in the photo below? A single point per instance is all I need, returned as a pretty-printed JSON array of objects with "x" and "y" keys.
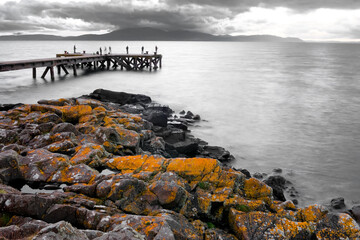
[{"x": 293, "y": 106}]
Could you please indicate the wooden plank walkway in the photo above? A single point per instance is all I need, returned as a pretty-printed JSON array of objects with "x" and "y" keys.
[{"x": 128, "y": 61}]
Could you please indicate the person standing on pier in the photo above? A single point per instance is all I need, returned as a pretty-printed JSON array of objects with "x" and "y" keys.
[
  {"x": 109, "y": 50},
  {"x": 127, "y": 49},
  {"x": 156, "y": 48},
  {"x": 74, "y": 48},
  {"x": 105, "y": 50},
  {"x": 142, "y": 50},
  {"x": 100, "y": 51}
]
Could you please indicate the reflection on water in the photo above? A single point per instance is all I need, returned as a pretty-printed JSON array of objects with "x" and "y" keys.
[{"x": 288, "y": 105}]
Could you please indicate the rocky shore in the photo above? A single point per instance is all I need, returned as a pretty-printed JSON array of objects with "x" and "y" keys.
[{"x": 118, "y": 166}]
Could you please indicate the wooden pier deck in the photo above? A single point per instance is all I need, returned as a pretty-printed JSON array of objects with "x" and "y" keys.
[{"x": 62, "y": 62}]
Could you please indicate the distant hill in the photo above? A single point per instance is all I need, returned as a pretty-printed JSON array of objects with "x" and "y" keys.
[{"x": 152, "y": 34}]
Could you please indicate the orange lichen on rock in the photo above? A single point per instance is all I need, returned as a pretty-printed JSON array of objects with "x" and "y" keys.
[
  {"x": 311, "y": 213},
  {"x": 255, "y": 189},
  {"x": 87, "y": 153},
  {"x": 74, "y": 113},
  {"x": 80, "y": 173},
  {"x": 135, "y": 164},
  {"x": 193, "y": 169}
]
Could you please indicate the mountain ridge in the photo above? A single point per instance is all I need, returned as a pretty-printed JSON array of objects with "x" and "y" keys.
[{"x": 152, "y": 34}]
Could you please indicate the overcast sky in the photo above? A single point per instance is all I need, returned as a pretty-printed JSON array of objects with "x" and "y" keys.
[{"x": 307, "y": 19}]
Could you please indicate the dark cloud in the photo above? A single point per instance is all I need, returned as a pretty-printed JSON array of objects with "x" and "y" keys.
[{"x": 201, "y": 15}]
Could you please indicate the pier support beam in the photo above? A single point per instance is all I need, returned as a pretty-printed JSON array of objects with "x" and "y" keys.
[
  {"x": 45, "y": 72},
  {"x": 64, "y": 68},
  {"x": 74, "y": 70},
  {"x": 34, "y": 72},
  {"x": 52, "y": 74}
]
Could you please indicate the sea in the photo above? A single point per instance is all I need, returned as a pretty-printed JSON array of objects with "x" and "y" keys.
[{"x": 294, "y": 106}]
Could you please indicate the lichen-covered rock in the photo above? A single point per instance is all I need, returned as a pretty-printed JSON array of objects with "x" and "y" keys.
[
  {"x": 41, "y": 165},
  {"x": 80, "y": 173},
  {"x": 261, "y": 225},
  {"x": 170, "y": 194},
  {"x": 89, "y": 153},
  {"x": 255, "y": 189},
  {"x": 72, "y": 114},
  {"x": 337, "y": 226},
  {"x": 57, "y": 145},
  {"x": 60, "y": 230}
]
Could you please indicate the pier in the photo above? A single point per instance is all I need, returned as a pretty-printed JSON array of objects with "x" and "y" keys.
[{"x": 63, "y": 62}]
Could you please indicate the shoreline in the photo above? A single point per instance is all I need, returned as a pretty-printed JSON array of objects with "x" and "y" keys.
[{"x": 155, "y": 176}]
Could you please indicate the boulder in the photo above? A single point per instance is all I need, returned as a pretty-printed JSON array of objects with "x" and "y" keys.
[
  {"x": 158, "y": 118},
  {"x": 355, "y": 212},
  {"x": 189, "y": 147},
  {"x": 338, "y": 203},
  {"x": 119, "y": 97},
  {"x": 278, "y": 184}
]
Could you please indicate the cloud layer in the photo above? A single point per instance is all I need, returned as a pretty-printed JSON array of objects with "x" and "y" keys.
[{"x": 308, "y": 19}]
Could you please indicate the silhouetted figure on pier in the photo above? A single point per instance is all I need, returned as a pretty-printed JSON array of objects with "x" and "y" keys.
[
  {"x": 142, "y": 50},
  {"x": 109, "y": 50},
  {"x": 127, "y": 49},
  {"x": 74, "y": 48},
  {"x": 156, "y": 48},
  {"x": 105, "y": 50},
  {"x": 100, "y": 51}
]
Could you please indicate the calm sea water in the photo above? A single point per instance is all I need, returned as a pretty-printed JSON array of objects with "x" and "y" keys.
[{"x": 293, "y": 106}]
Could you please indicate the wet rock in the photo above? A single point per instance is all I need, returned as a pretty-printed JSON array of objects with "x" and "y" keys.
[
  {"x": 6, "y": 107},
  {"x": 338, "y": 203},
  {"x": 355, "y": 212},
  {"x": 158, "y": 118},
  {"x": 244, "y": 171},
  {"x": 188, "y": 147},
  {"x": 176, "y": 135},
  {"x": 278, "y": 184},
  {"x": 218, "y": 153},
  {"x": 179, "y": 125},
  {"x": 119, "y": 97}
]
